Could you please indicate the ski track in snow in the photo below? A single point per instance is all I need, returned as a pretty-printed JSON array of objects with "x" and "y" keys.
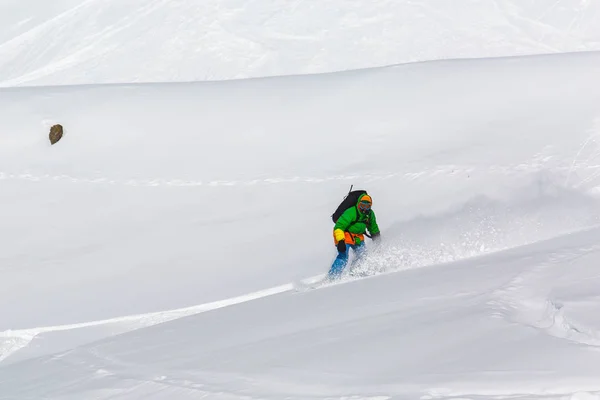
[
  {"x": 525, "y": 301},
  {"x": 12, "y": 341},
  {"x": 448, "y": 170},
  {"x": 160, "y": 182},
  {"x": 455, "y": 170}
]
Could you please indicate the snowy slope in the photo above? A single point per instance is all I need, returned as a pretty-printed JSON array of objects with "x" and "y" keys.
[
  {"x": 521, "y": 324},
  {"x": 162, "y": 198},
  {"x": 109, "y": 41}
]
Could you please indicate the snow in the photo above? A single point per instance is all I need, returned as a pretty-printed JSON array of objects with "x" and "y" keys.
[
  {"x": 461, "y": 330},
  {"x": 167, "y": 247},
  {"x": 114, "y": 41},
  {"x": 157, "y": 250}
]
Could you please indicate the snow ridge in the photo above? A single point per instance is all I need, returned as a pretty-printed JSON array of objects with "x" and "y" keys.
[
  {"x": 12, "y": 341},
  {"x": 525, "y": 301}
]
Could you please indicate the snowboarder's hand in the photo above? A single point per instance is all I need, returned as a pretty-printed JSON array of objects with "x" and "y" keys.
[{"x": 341, "y": 246}]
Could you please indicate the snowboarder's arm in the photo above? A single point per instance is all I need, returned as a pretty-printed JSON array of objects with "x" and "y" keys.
[
  {"x": 373, "y": 227},
  {"x": 342, "y": 224}
]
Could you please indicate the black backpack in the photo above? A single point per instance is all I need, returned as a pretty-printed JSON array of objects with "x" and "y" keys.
[{"x": 349, "y": 201}]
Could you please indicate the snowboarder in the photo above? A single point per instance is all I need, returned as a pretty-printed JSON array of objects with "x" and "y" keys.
[{"x": 350, "y": 229}]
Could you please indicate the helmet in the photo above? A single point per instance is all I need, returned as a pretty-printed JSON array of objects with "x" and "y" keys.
[{"x": 364, "y": 203}]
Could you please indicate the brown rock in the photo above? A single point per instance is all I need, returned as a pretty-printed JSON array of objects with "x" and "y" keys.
[{"x": 56, "y": 133}]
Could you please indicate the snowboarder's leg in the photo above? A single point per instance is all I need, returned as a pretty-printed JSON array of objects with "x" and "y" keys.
[
  {"x": 360, "y": 251},
  {"x": 339, "y": 264}
]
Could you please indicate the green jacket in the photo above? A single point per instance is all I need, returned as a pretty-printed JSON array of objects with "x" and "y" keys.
[{"x": 354, "y": 221}]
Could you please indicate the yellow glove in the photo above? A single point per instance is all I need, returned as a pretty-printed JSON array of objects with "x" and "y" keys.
[{"x": 339, "y": 235}]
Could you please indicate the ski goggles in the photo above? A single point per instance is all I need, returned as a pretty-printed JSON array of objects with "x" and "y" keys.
[{"x": 364, "y": 206}]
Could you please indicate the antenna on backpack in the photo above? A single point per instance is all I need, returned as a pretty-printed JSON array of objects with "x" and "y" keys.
[{"x": 349, "y": 191}]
